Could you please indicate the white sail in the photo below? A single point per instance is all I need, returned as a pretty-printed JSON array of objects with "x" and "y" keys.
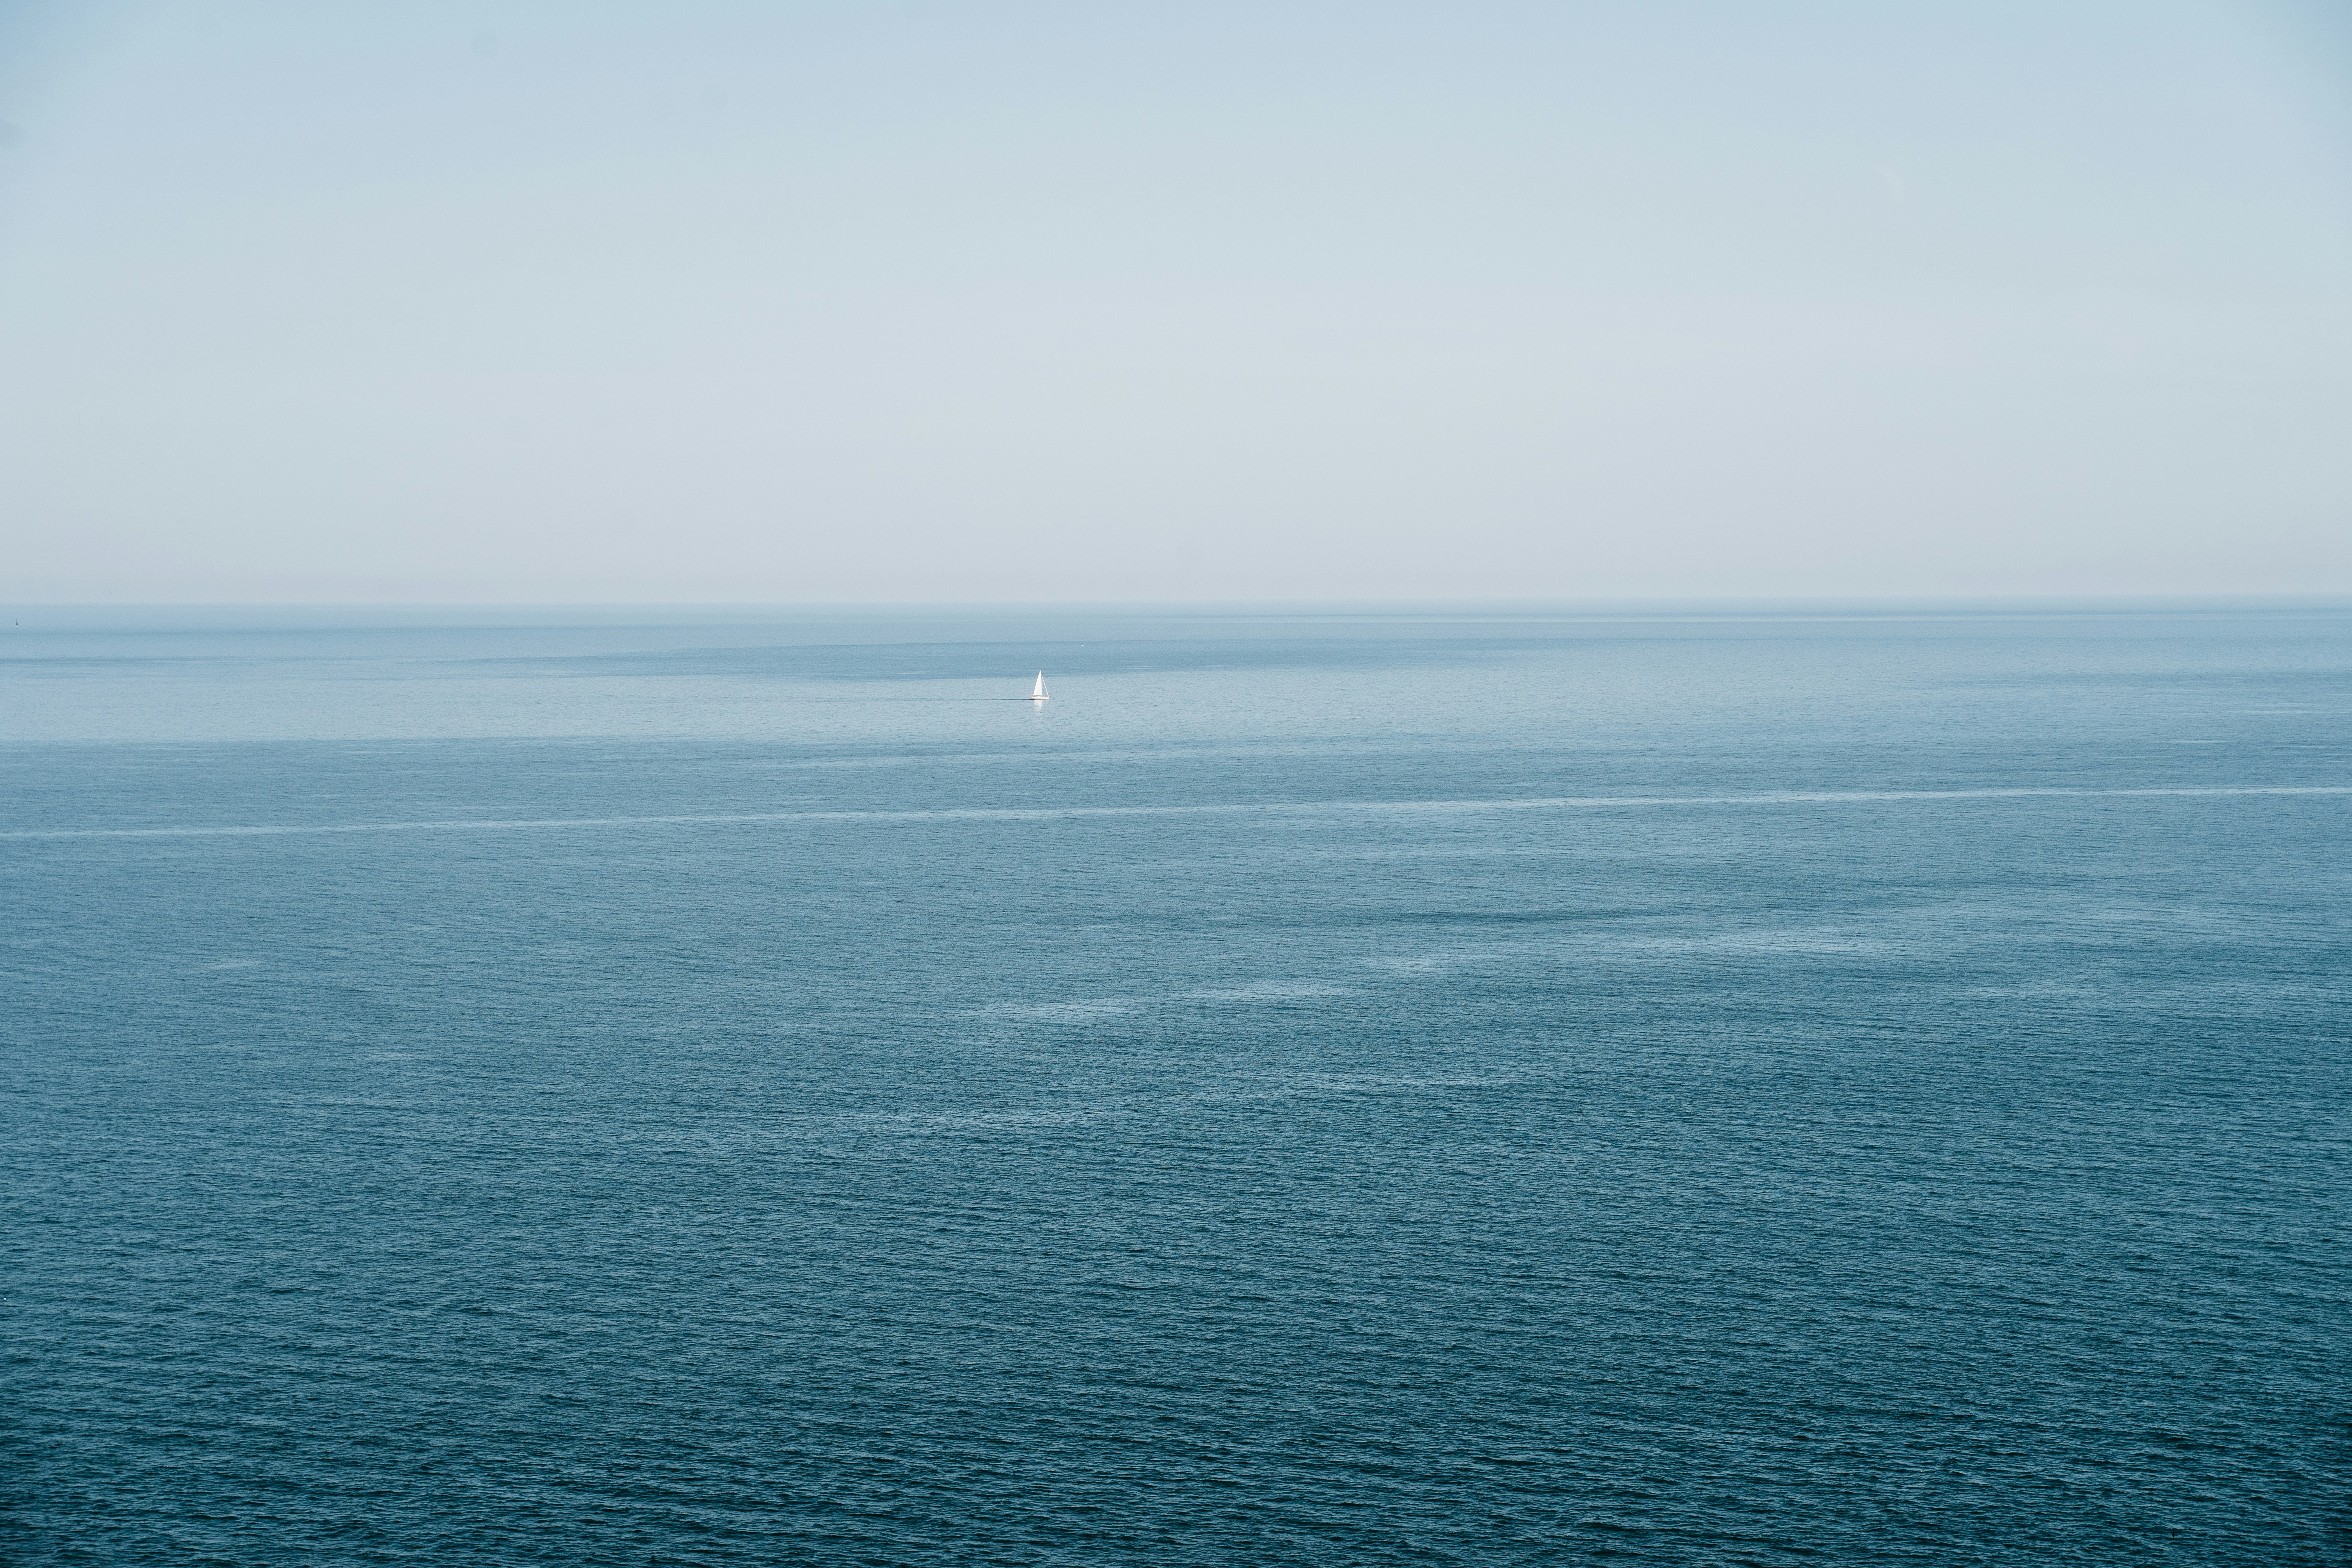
[{"x": 1038, "y": 695}]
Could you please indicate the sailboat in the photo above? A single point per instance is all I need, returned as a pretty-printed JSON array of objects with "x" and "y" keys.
[{"x": 1037, "y": 693}]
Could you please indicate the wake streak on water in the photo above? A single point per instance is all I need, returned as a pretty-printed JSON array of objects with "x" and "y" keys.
[{"x": 1050, "y": 814}]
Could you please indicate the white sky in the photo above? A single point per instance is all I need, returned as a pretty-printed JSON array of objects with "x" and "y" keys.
[{"x": 905, "y": 301}]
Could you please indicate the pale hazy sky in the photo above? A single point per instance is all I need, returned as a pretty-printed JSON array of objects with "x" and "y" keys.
[{"x": 900, "y": 301}]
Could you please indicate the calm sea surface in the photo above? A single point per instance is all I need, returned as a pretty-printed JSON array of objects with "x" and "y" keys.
[{"x": 1368, "y": 1088}]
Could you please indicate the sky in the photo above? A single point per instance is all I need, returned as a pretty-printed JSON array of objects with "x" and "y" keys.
[{"x": 901, "y": 302}]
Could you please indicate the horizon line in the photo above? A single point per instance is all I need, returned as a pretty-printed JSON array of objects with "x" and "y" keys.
[{"x": 1627, "y": 603}]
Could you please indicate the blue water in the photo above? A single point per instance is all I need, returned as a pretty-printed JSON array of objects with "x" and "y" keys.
[{"x": 1342, "y": 1087}]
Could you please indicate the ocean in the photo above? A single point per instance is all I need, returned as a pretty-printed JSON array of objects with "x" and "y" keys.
[{"x": 1383, "y": 1086}]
